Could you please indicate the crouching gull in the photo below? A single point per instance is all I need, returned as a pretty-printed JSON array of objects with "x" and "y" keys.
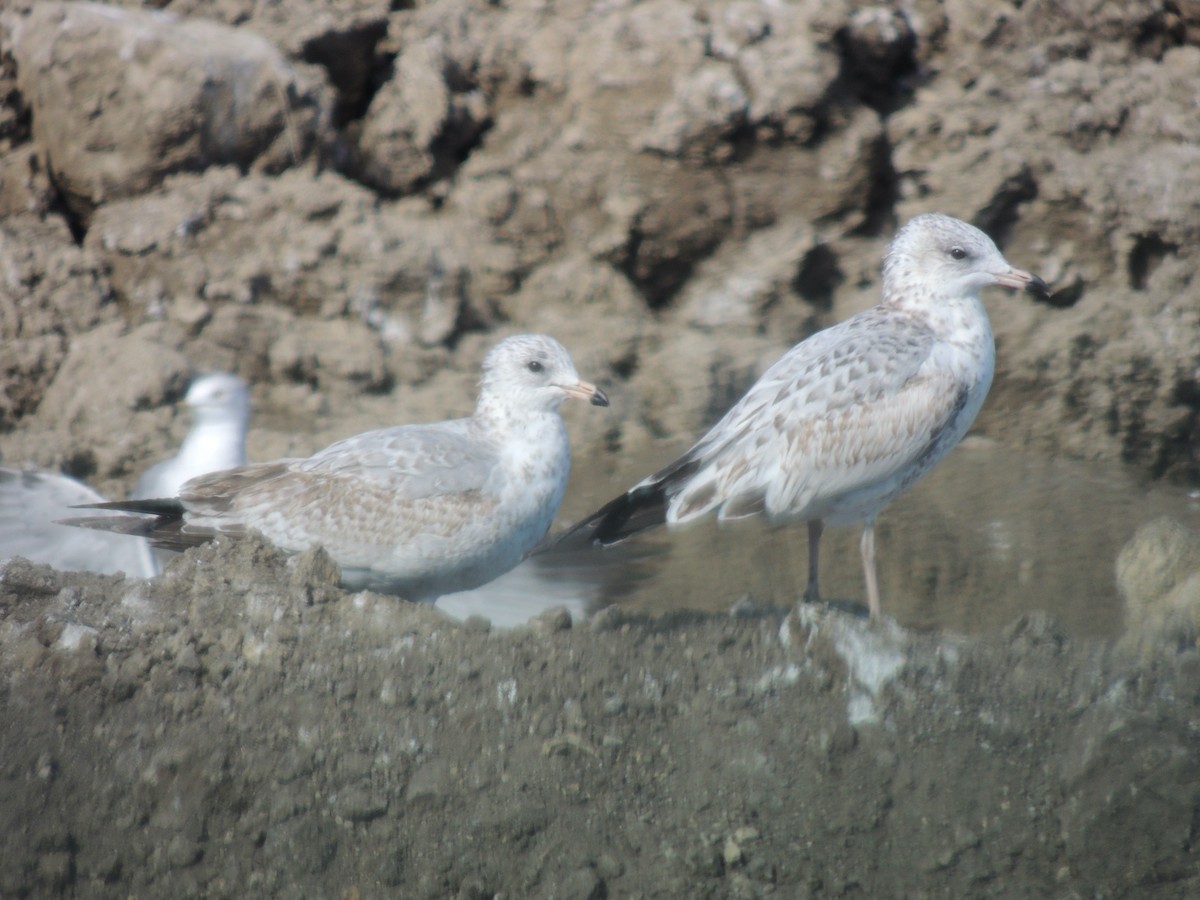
[
  {"x": 850, "y": 418},
  {"x": 414, "y": 510},
  {"x": 31, "y": 499}
]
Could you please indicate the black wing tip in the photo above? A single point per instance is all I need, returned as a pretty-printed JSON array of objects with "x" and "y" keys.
[
  {"x": 639, "y": 509},
  {"x": 616, "y": 527},
  {"x": 151, "y": 518},
  {"x": 618, "y": 520},
  {"x": 164, "y": 531},
  {"x": 131, "y": 525},
  {"x": 156, "y": 506}
]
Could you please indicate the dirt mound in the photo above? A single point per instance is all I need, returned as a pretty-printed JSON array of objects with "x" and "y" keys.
[{"x": 242, "y": 725}]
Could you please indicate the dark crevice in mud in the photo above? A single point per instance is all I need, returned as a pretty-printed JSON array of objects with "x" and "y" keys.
[
  {"x": 736, "y": 147},
  {"x": 1179, "y": 454},
  {"x": 1063, "y": 296},
  {"x": 357, "y": 68},
  {"x": 1166, "y": 28},
  {"x": 819, "y": 277},
  {"x": 1140, "y": 384},
  {"x": 660, "y": 271},
  {"x": 1149, "y": 250},
  {"x": 461, "y": 136},
  {"x": 60, "y": 206},
  {"x": 19, "y": 125},
  {"x": 1004, "y": 210},
  {"x": 878, "y": 68},
  {"x": 80, "y": 464},
  {"x": 660, "y": 282},
  {"x": 464, "y": 127},
  {"x": 625, "y": 367},
  {"x": 354, "y": 67},
  {"x": 878, "y": 60},
  {"x": 883, "y": 193}
]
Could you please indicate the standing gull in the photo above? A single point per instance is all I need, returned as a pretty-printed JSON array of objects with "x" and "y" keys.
[
  {"x": 31, "y": 499},
  {"x": 850, "y": 418},
  {"x": 415, "y": 510}
]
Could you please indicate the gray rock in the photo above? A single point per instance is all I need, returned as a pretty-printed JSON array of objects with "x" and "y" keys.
[{"x": 1158, "y": 574}]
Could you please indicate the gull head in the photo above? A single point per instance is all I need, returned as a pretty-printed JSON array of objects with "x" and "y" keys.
[
  {"x": 940, "y": 257},
  {"x": 219, "y": 398},
  {"x": 534, "y": 371}
]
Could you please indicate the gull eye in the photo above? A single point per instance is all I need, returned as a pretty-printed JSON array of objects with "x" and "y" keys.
[
  {"x": 534, "y": 366},
  {"x": 958, "y": 253}
]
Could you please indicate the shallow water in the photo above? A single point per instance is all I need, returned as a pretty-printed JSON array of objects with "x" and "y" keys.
[{"x": 989, "y": 535}]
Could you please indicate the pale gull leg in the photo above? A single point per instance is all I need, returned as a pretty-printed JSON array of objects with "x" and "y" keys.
[
  {"x": 868, "y": 561},
  {"x": 812, "y": 593}
]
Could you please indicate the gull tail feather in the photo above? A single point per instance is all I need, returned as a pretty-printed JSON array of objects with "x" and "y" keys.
[
  {"x": 160, "y": 521},
  {"x": 165, "y": 506},
  {"x": 135, "y": 526},
  {"x": 642, "y": 507}
]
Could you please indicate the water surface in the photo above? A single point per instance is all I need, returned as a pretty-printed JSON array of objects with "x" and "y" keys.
[{"x": 989, "y": 535}]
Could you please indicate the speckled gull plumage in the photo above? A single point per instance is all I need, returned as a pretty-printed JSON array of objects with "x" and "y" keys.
[
  {"x": 415, "y": 510},
  {"x": 850, "y": 418},
  {"x": 32, "y": 499}
]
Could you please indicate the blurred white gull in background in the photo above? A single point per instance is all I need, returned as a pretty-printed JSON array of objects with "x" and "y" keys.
[{"x": 32, "y": 499}]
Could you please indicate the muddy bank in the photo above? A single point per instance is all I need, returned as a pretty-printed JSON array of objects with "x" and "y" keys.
[{"x": 240, "y": 726}]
